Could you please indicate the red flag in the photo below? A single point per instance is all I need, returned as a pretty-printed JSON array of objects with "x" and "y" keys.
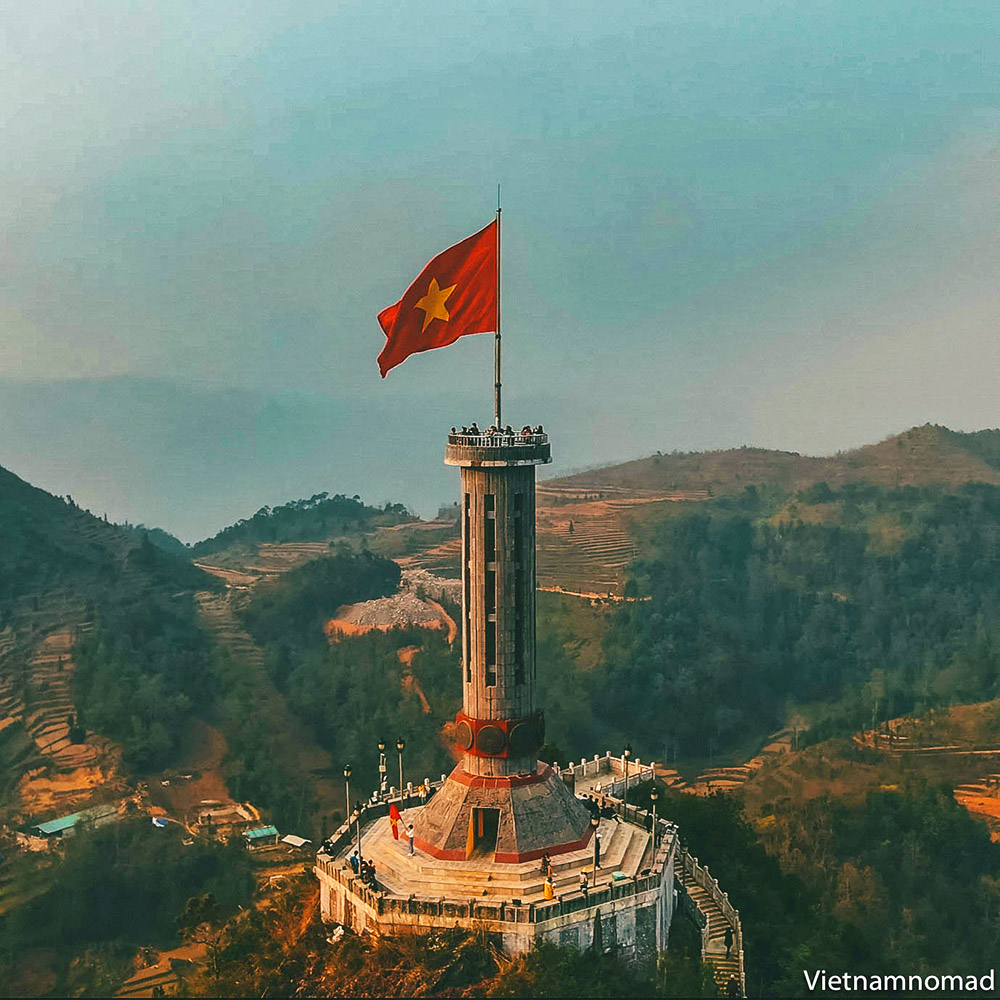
[
  {"x": 454, "y": 295},
  {"x": 394, "y": 818}
]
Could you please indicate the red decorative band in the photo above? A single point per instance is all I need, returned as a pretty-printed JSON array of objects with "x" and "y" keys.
[
  {"x": 499, "y": 737},
  {"x": 500, "y": 781}
]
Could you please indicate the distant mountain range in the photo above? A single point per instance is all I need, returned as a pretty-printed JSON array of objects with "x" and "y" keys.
[{"x": 920, "y": 456}]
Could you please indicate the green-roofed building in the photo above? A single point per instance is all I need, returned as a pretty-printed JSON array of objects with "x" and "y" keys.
[
  {"x": 66, "y": 826},
  {"x": 261, "y": 836}
]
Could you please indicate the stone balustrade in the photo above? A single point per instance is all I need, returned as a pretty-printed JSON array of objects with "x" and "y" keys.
[
  {"x": 383, "y": 902},
  {"x": 385, "y": 906},
  {"x": 702, "y": 877}
]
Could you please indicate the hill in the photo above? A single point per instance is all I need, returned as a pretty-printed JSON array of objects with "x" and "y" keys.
[
  {"x": 64, "y": 575},
  {"x": 48, "y": 544},
  {"x": 927, "y": 455},
  {"x": 905, "y": 877},
  {"x": 848, "y": 601},
  {"x": 321, "y": 518},
  {"x": 594, "y": 524}
]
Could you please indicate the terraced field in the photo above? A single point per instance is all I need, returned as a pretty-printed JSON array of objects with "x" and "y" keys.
[
  {"x": 55, "y": 772},
  {"x": 50, "y": 711},
  {"x": 586, "y": 541},
  {"x": 279, "y": 557},
  {"x": 586, "y": 538},
  {"x": 583, "y": 546}
]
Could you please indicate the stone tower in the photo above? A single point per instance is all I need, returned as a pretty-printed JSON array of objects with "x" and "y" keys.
[{"x": 500, "y": 800}]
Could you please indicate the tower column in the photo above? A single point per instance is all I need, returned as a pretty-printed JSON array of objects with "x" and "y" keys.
[
  {"x": 500, "y": 799},
  {"x": 498, "y": 586}
]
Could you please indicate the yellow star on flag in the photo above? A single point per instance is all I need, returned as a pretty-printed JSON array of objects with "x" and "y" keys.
[{"x": 433, "y": 303}]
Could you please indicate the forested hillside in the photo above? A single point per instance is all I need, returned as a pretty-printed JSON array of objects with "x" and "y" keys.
[
  {"x": 354, "y": 691},
  {"x": 756, "y": 604},
  {"x": 49, "y": 544},
  {"x": 839, "y": 603},
  {"x": 141, "y": 674},
  {"x": 65, "y": 574},
  {"x": 319, "y": 518}
]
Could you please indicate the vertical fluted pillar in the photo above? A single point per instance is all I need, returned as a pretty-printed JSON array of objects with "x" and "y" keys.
[{"x": 499, "y": 728}]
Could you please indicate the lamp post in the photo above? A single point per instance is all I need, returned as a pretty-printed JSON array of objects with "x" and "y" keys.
[
  {"x": 347, "y": 801},
  {"x": 653, "y": 796},
  {"x": 358, "y": 807},
  {"x": 400, "y": 747},
  {"x": 626, "y": 753},
  {"x": 382, "y": 780},
  {"x": 595, "y": 823}
]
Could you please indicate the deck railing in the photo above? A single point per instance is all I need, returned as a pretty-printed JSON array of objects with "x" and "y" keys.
[
  {"x": 614, "y": 768},
  {"x": 496, "y": 440}
]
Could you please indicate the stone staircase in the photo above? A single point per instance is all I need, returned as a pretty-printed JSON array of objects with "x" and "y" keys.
[{"x": 717, "y": 922}]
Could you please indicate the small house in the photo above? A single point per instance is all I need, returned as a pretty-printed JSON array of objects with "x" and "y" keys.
[
  {"x": 261, "y": 836},
  {"x": 67, "y": 826}
]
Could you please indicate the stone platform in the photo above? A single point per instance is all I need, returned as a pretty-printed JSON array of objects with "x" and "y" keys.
[
  {"x": 624, "y": 848},
  {"x": 626, "y": 910}
]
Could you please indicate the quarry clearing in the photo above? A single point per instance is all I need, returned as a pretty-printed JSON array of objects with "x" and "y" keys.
[{"x": 401, "y": 610}]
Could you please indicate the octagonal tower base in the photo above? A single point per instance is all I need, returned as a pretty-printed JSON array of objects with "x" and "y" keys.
[{"x": 509, "y": 818}]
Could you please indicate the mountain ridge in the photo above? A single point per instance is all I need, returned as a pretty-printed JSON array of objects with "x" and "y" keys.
[{"x": 923, "y": 455}]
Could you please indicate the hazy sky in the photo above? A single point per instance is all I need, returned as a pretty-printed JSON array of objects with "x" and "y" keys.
[{"x": 764, "y": 222}]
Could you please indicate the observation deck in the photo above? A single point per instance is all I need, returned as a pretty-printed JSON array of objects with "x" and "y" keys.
[{"x": 497, "y": 450}]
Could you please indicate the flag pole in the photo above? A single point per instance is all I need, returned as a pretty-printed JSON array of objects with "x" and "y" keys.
[{"x": 496, "y": 342}]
